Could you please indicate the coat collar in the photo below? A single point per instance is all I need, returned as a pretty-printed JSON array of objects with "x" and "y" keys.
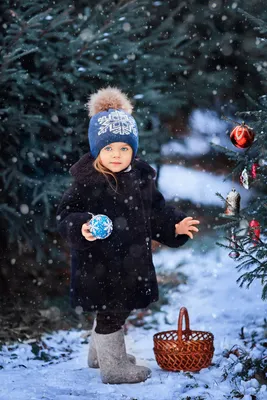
[{"x": 84, "y": 172}]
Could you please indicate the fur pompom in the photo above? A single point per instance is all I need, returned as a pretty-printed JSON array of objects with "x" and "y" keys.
[{"x": 110, "y": 97}]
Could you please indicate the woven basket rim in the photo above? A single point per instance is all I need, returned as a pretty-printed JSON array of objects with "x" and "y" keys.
[
  {"x": 184, "y": 332},
  {"x": 183, "y": 351}
]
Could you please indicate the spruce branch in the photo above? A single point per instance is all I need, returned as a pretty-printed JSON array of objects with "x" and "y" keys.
[{"x": 260, "y": 24}]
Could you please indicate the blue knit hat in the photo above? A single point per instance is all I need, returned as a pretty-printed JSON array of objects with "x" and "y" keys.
[{"x": 111, "y": 121}]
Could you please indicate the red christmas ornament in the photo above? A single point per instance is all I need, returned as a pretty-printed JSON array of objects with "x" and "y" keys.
[
  {"x": 254, "y": 231},
  {"x": 254, "y": 170},
  {"x": 242, "y": 136}
]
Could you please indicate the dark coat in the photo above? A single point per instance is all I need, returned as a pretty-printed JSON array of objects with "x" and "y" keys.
[{"x": 116, "y": 273}]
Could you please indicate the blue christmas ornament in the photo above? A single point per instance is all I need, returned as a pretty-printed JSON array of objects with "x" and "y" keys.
[{"x": 100, "y": 226}]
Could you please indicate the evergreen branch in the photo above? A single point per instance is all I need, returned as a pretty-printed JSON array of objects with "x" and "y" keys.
[
  {"x": 230, "y": 120},
  {"x": 165, "y": 24},
  {"x": 9, "y": 58},
  {"x": 229, "y": 153},
  {"x": 249, "y": 260},
  {"x": 11, "y": 210},
  {"x": 34, "y": 21},
  {"x": 261, "y": 25},
  {"x": 250, "y": 277},
  {"x": 250, "y": 263},
  {"x": 168, "y": 20},
  {"x": 31, "y": 182},
  {"x": 220, "y": 196},
  {"x": 15, "y": 15},
  {"x": 8, "y": 175},
  {"x": 34, "y": 9},
  {"x": 104, "y": 28},
  {"x": 256, "y": 114},
  {"x": 58, "y": 21},
  {"x": 224, "y": 246},
  {"x": 23, "y": 28},
  {"x": 254, "y": 102},
  {"x": 224, "y": 226}
]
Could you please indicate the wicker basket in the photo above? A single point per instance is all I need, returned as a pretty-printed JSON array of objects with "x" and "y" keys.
[{"x": 183, "y": 350}]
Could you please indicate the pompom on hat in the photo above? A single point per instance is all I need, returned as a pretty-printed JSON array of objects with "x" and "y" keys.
[{"x": 111, "y": 120}]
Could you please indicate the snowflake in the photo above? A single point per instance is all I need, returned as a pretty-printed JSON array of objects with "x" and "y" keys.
[
  {"x": 101, "y": 226},
  {"x": 108, "y": 226},
  {"x": 117, "y": 122}
]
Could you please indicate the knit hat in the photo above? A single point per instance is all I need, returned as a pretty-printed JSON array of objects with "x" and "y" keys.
[{"x": 111, "y": 120}]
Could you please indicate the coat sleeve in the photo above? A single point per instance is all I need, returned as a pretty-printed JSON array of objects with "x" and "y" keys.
[
  {"x": 163, "y": 219},
  {"x": 71, "y": 215}
]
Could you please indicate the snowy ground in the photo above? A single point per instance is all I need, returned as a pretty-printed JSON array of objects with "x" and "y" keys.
[
  {"x": 215, "y": 303},
  {"x": 177, "y": 182}
]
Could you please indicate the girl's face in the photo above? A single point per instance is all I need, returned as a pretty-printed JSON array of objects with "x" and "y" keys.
[{"x": 116, "y": 156}]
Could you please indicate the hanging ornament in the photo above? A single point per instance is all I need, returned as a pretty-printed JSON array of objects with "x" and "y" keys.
[
  {"x": 233, "y": 253},
  {"x": 242, "y": 136},
  {"x": 254, "y": 231},
  {"x": 254, "y": 169},
  {"x": 232, "y": 203},
  {"x": 243, "y": 228},
  {"x": 246, "y": 178},
  {"x": 100, "y": 226}
]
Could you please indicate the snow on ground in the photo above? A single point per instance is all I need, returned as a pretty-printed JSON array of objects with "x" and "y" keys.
[
  {"x": 177, "y": 182},
  {"x": 215, "y": 303}
]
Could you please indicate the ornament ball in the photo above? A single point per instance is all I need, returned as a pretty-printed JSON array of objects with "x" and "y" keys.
[
  {"x": 242, "y": 136},
  {"x": 100, "y": 226}
]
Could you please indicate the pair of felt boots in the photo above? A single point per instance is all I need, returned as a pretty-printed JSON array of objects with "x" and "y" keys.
[{"x": 108, "y": 353}]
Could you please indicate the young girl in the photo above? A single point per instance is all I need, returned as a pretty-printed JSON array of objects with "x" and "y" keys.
[{"x": 116, "y": 275}]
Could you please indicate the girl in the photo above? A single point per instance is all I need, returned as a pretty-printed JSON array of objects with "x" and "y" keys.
[{"x": 116, "y": 275}]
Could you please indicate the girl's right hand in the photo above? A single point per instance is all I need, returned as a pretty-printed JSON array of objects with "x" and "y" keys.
[{"x": 87, "y": 234}]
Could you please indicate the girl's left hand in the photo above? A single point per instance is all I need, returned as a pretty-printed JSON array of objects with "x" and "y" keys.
[{"x": 185, "y": 227}]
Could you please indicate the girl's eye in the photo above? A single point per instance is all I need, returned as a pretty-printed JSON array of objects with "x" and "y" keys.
[
  {"x": 108, "y": 148},
  {"x": 124, "y": 148}
]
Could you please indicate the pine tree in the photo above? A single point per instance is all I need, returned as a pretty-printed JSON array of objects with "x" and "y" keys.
[
  {"x": 53, "y": 57},
  {"x": 252, "y": 250},
  {"x": 222, "y": 50}
]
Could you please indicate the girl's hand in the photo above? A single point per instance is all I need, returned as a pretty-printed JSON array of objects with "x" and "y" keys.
[
  {"x": 87, "y": 234},
  {"x": 185, "y": 227}
]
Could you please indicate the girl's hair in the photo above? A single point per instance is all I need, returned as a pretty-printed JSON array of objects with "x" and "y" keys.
[{"x": 103, "y": 170}]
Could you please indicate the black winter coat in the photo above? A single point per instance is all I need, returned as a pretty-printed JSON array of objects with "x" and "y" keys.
[{"x": 116, "y": 273}]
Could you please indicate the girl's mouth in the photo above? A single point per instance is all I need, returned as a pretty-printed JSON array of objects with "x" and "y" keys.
[{"x": 116, "y": 163}]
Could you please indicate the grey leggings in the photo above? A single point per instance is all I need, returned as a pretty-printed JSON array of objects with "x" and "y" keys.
[{"x": 110, "y": 321}]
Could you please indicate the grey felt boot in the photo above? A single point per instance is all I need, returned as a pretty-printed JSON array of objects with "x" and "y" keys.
[
  {"x": 92, "y": 355},
  {"x": 114, "y": 364}
]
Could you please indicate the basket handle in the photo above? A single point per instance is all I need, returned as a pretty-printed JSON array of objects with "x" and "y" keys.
[{"x": 183, "y": 313}]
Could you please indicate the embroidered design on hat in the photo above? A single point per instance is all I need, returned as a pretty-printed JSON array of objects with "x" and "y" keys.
[{"x": 117, "y": 122}]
